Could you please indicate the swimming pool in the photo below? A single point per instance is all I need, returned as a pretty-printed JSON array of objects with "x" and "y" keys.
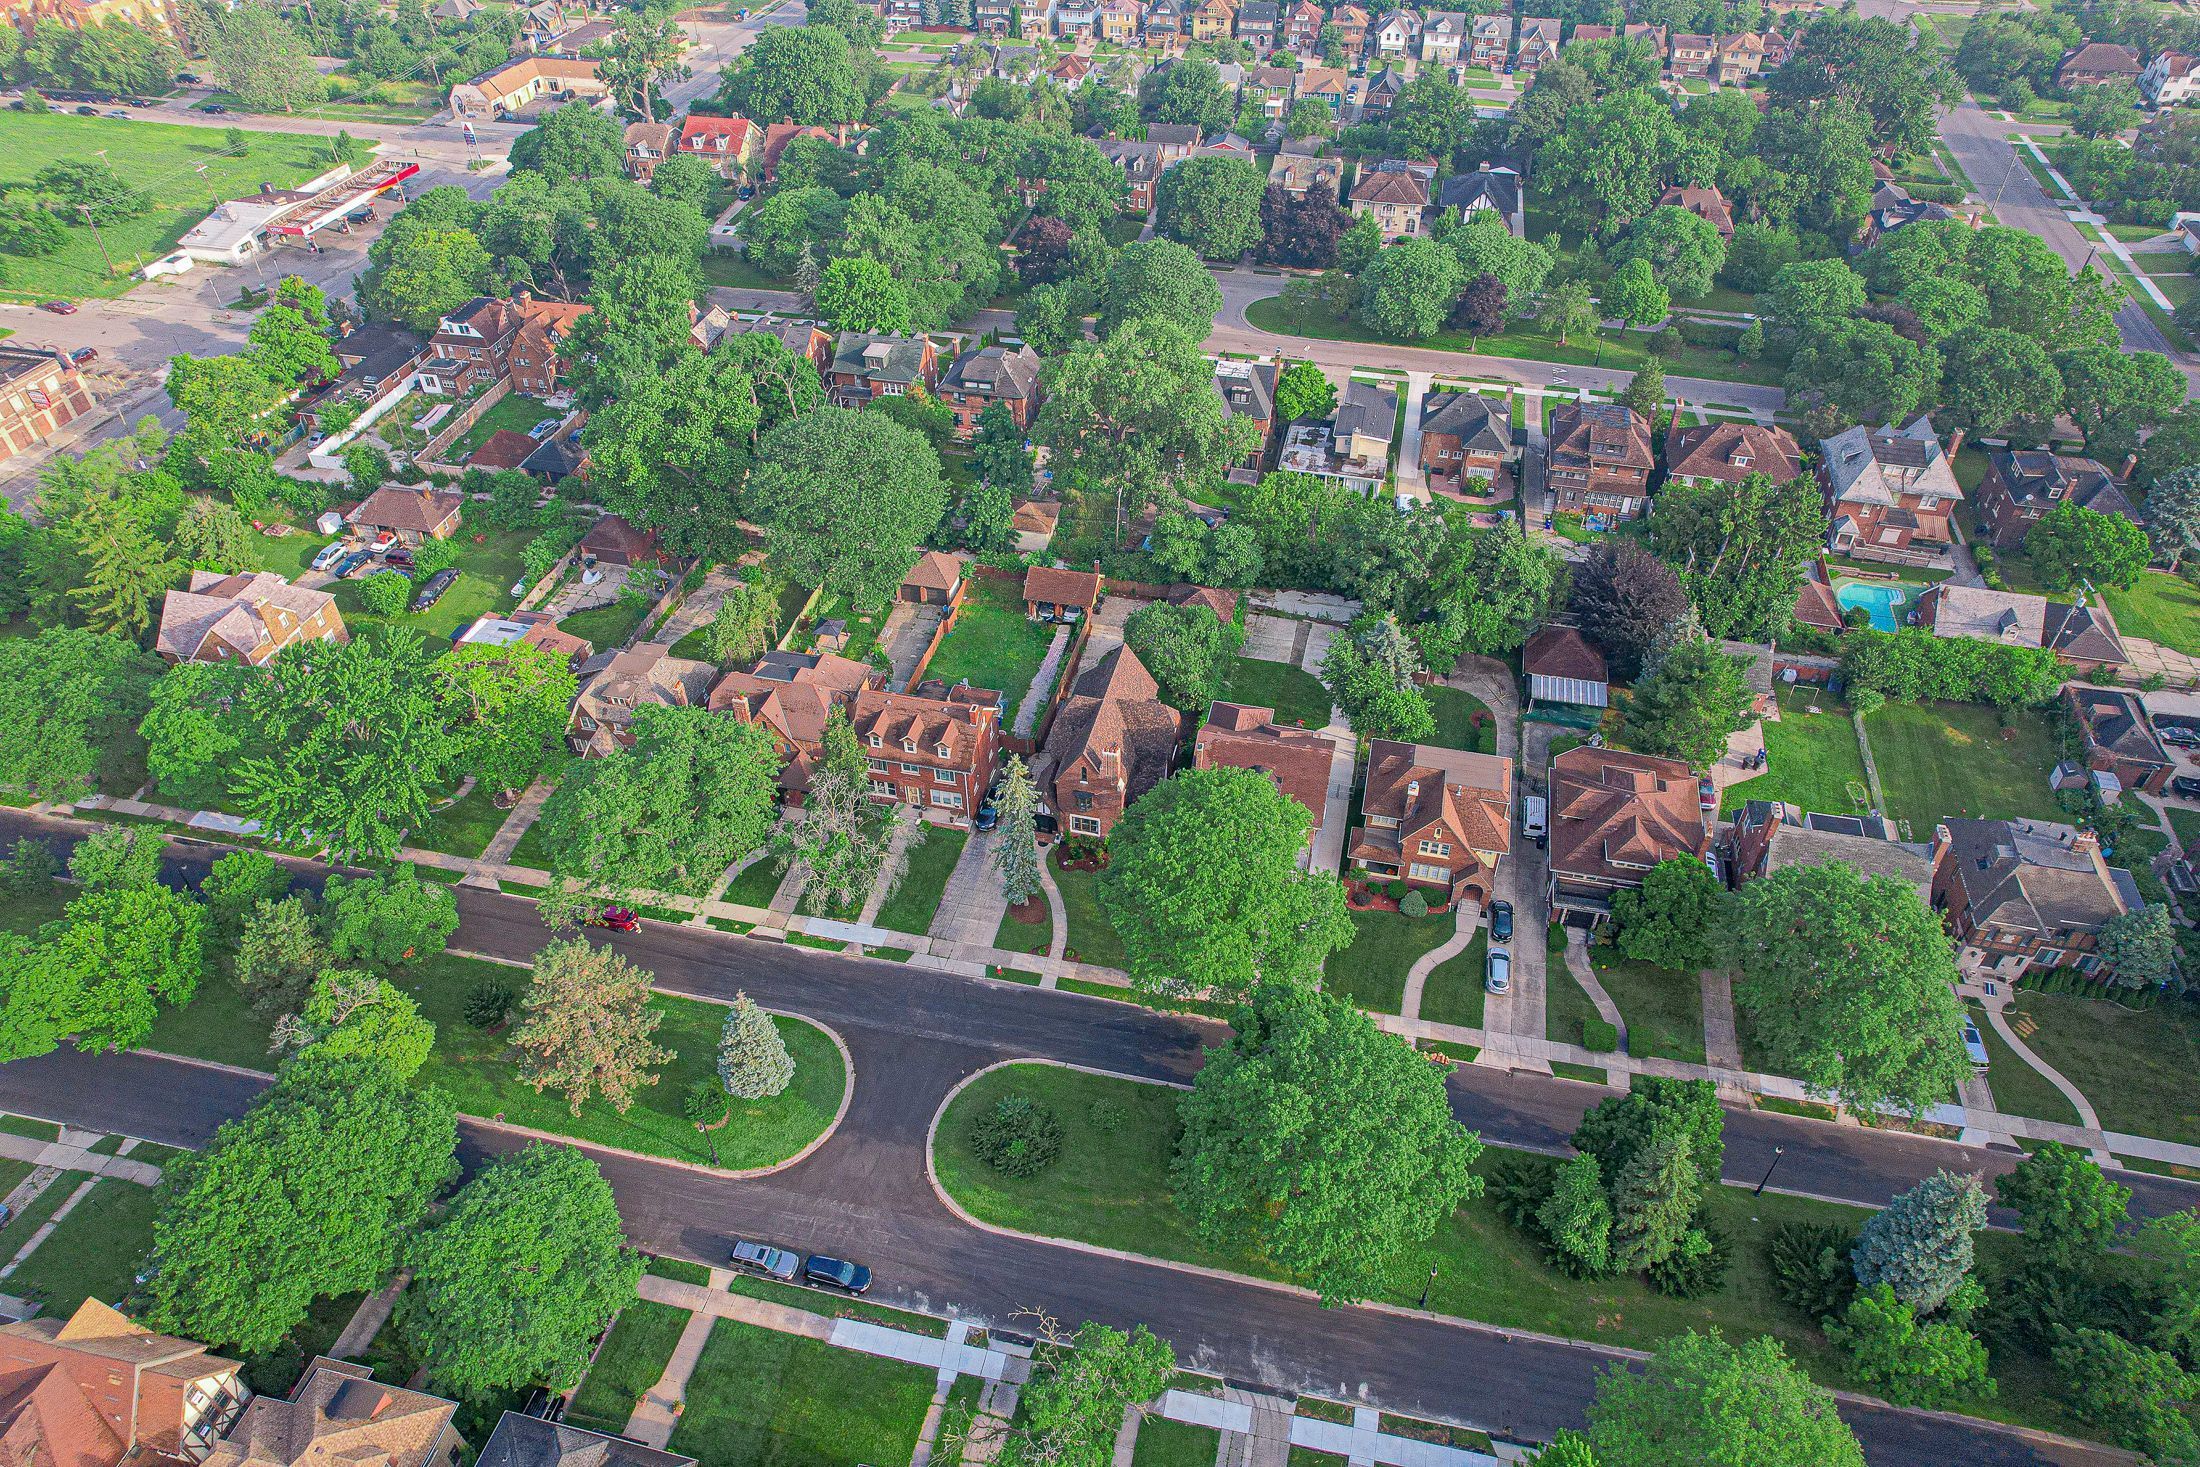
[{"x": 1878, "y": 598}]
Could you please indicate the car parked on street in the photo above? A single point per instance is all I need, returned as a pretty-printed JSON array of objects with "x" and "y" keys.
[
  {"x": 84, "y": 354},
  {"x": 617, "y": 919},
  {"x": 60, "y": 308},
  {"x": 763, "y": 1258},
  {"x": 213, "y": 107},
  {"x": 1501, "y": 921},
  {"x": 1497, "y": 971},
  {"x": 835, "y": 1273}
]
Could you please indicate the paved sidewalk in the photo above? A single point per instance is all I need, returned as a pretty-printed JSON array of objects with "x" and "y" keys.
[
  {"x": 1996, "y": 1015},
  {"x": 1722, "y": 1045},
  {"x": 367, "y": 1320},
  {"x": 506, "y": 840},
  {"x": 70, "y": 1155}
]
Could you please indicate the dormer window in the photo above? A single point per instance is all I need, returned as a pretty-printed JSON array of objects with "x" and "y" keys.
[
  {"x": 876, "y": 741},
  {"x": 940, "y": 749},
  {"x": 909, "y": 746}
]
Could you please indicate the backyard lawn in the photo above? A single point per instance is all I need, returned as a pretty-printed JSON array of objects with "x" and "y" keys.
[
  {"x": 1372, "y": 972},
  {"x": 994, "y": 645},
  {"x": 607, "y": 628},
  {"x": 1296, "y": 694},
  {"x": 1453, "y": 993},
  {"x": 513, "y": 412},
  {"x": 631, "y": 1361},
  {"x": 916, "y": 900},
  {"x": 765, "y": 1399},
  {"x": 94, "y": 1252},
  {"x": 2161, "y": 608},
  {"x": 1463, "y": 721},
  {"x": 1091, "y": 937},
  {"x": 482, "y": 1074},
  {"x": 1956, "y": 759},
  {"x": 488, "y": 564},
  {"x": 185, "y": 169},
  {"x": 1811, "y": 759},
  {"x": 2136, "y": 1066},
  {"x": 1663, "y": 1009}
]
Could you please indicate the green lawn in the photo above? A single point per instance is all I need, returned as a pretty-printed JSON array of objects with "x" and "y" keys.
[
  {"x": 1091, "y": 937},
  {"x": 1296, "y": 694},
  {"x": 2161, "y": 608},
  {"x": 94, "y": 1252},
  {"x": 164, "y": 160},
  {"x": 1372, "y": 972},
  {"x": 1463, "y": 721},
  {"x": 2135, "y": 1066},
  {"x": 2018, "y": 1088},
  {"x": 514, "y": 412},
  {"x": 917, "y": 899},
  {"x": 607, "y": 627},
  {"x": 1812, "y": 758},
  {"x": 1112, "y": 1188},
  {"x": 1941, "y": 759},
  {"x": 12, "y": 1174},
  {"x": 2186, "y": 824},
  {"x": 734, "y": 270},
  {"x": 30, "y": 1219},
  {"x": 463, "y": 828},
  {"x": 1565, "y": 1006},
  {"x": 1018, "y": 936},
  {"x": 759, "y": 1398},
  {"x": 631, "y": 1361},
  {"x": 756, "y": 886},
  {"x": 486, "y": 572},
  {"x": 1453, "y": 993},
  {"x": 994, "y": 645},
  {"x": 1166, "y": 1443},
  {"x": 1663, "y": 1009},
  {"x": 482, "y": 1076}
]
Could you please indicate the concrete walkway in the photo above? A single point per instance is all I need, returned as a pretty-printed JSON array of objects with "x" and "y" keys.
[
  {"x": 971, "y": 904},
  {"x": 506, "y": 840},
  {"x": 1585, "y": 974},
  {"x": 1722, "y": 1046},
  {"x": 1997, "y": 1016},
  {"x": 658, "y": 1411},
  {"x": 1466, "y": 921},
  {"x": 72, "y": 1153},
  {"x": 1058, "y": 941},
  {"x": 367, "y": 1320},
  {"x": 1491, "y": 683},
  {"x": 908, "y": 828}
]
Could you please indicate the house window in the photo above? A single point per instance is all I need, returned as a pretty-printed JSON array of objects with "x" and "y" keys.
[
  {"x": 947, "y": 799},
  {"x": 1434, "y": 848},
  {"x": 1083, "y": 825},
  {"x": 2047, "y": 957},
  {"x": 909, "y": 746},
  {"x": 1928, "y": 501},
  {"x": 944, "y": 776},
  {"x": 908, "y": 768},
  {"x": 878, "y": 766},
  {"x": 1423, "y": 871},
  {"x": 875, "y": 741},
  {"x": 1084, "y": 799},
  {"x": 883, "y": 789}
]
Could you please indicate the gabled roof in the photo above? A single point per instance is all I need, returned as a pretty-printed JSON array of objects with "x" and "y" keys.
[
  {"x": 507, "y": 448},
  {"x": 1557, "y": 651},
  {"x": 1614, "y": 815},
  {"x": 338, "y": 1413},
  {"x": 1732, "y": 452},
  {"x": 1880, "y": 465},
  {"x": 530, "y": 1441},
  {"x": 1498, "y": 188},
  {"x": 1603, "y": 432},
  {"x": 996, "y": 371},
  {"x": 1481, "y": 424},
  {"x": 654, "y": 136},
  {"x": 2036, "y": 478},
  {"x": 2083, "y": 633},
  {"x": 1222, "y": 603},
  {"x": 2102, "y": 56},
  {"x": 935, "y": 570},
  {"x": 1367, "y": 410},
  {"x": 1248, "y": 388},
  {"x": 878, "y": 357},
  {"x": 1060, "y": 587},
  {"x": 1385, "y": 186},
  {"x": 2116, "y": 721},
  {"x": 235, "y": 608},
  {"x": 1422, "y": 785},
  {"x": 1816, "y": 605},
  {"x": 615, "y": 534},
  {"x": 1114, "y": 726},
  {"x": 2031, "y": 876},
  {"x": 956, "y": 718},
  {"x": 1242, "y": 737},
  {"x": 395, "y": 508}
]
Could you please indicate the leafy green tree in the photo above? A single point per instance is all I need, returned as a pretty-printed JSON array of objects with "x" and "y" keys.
[
  {"x": 1656, "y": 1197},
  {"x": 1567, "y": 1449},
  {"x": 1811, "y": 295},
  {"x": 1863, "y": 372},
  {"x": 1646, "y": 389},
  {"x": 279, "y": 950},
  {"x": 385, "y": 593},
  {"x": 1317, "y": 1141},
  {"x": 2104, "y": 109},
  {"x": 1740, "y": 549},
  {"x": 1303, "y": 390},
  {"x": 1569, "y": 310},
  {"x": 1386, "y": 559},
  {"x": 753, "y": 1062},
  {"x": 71, "y": 699},
  {"x": 125, "y": 568},
  {"x": 1993, "y": 379},
  {"x": 1703, "y": 1401},
  {"x": 1189, "y": 92},
  {"x": 122, "y": 858},
  {"x": 289, "y": 347},
  {"x": 354, "y": 1013},
  {"x": 837, "y": 843},
  {"x": 429, "y": 273},
  {"x": 2071, "y": 543},
  {"x": 1613, "y": 157},
  {"x": 1489, "y": 602},
  {"x": 1163, "y": 279},
  {"x": 2140, "y": 946},
  {"x": 1634, "y": 295},
  {"x": 588, "y": 1025},
  {"x": 1618, "y": 1128},
  {"x": 845, "y": 501},
  {"x": 1849, "y": 985},
  {"x": 1080, "y": 1389},
  {"x": 2138, "y": 1396},
  {"x": 1016, "y": 848},
  {"x": 1204, "y": 889},
  {"x": 1625, "y": 597},
  {"x": 571, "y": 144},
  {"x": 190, "y": 738},
  {"x": 671, "y": 449},
  {"x": 998, "y": 452},
  {"x": 1939, "y": 1364},
  {"x": 234, "y": 885},
  {"x": 1408, "y": 289},
  {"x": 1370, "y": 672},
  {"x": 1576, "y": 1218},
  {"x": 1684, "y": 250},
  {"x": 1675, "y": 919},
  {"x": 2070, "y": 1210},
  {"x": 1690, "y": 705},
  {"x": 1212, "y": 204},
  {"x": 742, "y": 628},
  {"x": 1920, "y": 1243},
  {"x": 309, "y": 1194},
  {"x": 2114, "y": 396},
  {"x": 99, "y": 975},
  {"x": 642, "y": 54},
  {"x": 1184, "y": 647},
  {"x": 255, "y": 53},
  {"x": 858, "y": 293},
  {"x": 1895, "y": 76},
  {"x": 514, "y": 1284},
  {"x": 383, "y": 920},
  {"x": 509, "y": 706},
  {"x": 213, "y": 536}
]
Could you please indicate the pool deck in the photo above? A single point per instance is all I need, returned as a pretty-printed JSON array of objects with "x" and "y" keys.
[{"x": 1879, "y": 598}]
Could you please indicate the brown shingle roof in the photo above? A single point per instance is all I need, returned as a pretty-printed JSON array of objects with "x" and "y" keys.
[
  {"x": 1114, "y": 726},
  {"x": 1559, "y": 651},
  {"x": 506, "y": 448},
  {"x": 935, "y": 570},
  {"x": 1222, "y": 603},
  {"x": 1420, "y": 785},
  {"x": 418, "y": 510},
  {"x": 1237, "y": 736},
  {"x": 338, "y": 1414},
  {"x": 232, "y": 606},
  {"x": 1614, "y": 815},
  {"x": 1711, "y": 451},
  {"x": 1062, "y": 587}
]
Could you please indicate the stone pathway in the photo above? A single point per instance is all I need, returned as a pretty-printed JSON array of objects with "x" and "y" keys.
[
  {"x": 1267, "y": 1440},
  {"x": 1466, "y": 921},
  {"x": 367, "y": 1320},
  {"x": 506, "y": 840},
  {"x": 701, "y": 606},
  {"x": 908, "y": 630},
  {"x": 1035, "y": 697},
  {"x": 658, "y": 1412},
  {"x": 1997, "y": 1016},
  {"x": 1585, "y": 974}
]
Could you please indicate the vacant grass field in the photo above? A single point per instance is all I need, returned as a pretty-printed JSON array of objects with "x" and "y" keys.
[
  {"x": 1372, "y": 972},
  {"x": 482, "y": 1073},
  {"x": 1453, "y": 993},
  {"x": 2136, "y": 1066},
  {"x": 1663, "y": 1009},
  {"x": 917, "y": 899},
  {"x": 764, "y": 1399},
  {"x": 1091, "y": 938},
  {"x": 994, "y": 645},
  {"x": 1942, "y": 759},
  {"x": 94, "y": 1252},
  {"x": 1811, "y": 758},
  {"x": 2161, "y": 608},
  {"x": 488, "y": 565},
  {"x": 1296, "y": 694},
  {"x": 631, "y": 1361},
  {"x": 184, "y": 169},
  {"x": 1463, "y": 721}
]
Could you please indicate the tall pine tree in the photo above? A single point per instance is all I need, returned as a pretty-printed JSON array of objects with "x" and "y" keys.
[
  {"x": 1920, "y": 1243},
  {"x": 752, "y": 1058},
  {"x": 1016, "y": 853}
]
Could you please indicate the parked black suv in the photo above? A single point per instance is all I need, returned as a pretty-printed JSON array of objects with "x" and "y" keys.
[{"x": 835, "y": 1273}]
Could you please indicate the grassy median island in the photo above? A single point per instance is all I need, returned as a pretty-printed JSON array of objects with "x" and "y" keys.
[
  {"x": 481, "y": 1071},
  {"x": 1111, "y": 1187}
]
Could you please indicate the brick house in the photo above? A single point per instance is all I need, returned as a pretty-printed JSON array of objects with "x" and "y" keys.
[
  {"x": 1465, "y": 435},
  {"x": 2021, "y": 485},
  {"x": 95, "y": 1389},
  {"x": 932, "y": 747},
  {"x": 1302, "y": 27},
  {"x": 1768, "y": 836},
  {"x": 1489, "y": 39},
  {"x": 2098, "y": 62},
  {"x": 488, "y": 340},
  {"x": 1564, "y": 668},
  {"x": 865, "y": 366},
  {"x": 338, "y": 1411},
  {"x": 40, "y": 393},
  {"x": 1888, "y": 488},
  {"x": 935, "y": 580},
  {"x": 1236, "y": 736},
  {"x": 2084, "y": 636},
  {"x": 1614, "y": 816},
  {"x": 1248, "y": 390},
  {"x": 1538, "y": 43},
  {"x": 1600, "y": 460},
  {"x": 1112, "y": 741},
  {"x": 647, "y": 145},
  {"x": 1256, "y": 24},
  {"x": 2119, "y": 737},
  {"x": 1165, "y": 23},
  {"x": 1351, "y": 24},
  {"x": 1705, "y": 203},
  {"x": 248, "y": 617},
  {"x": 409, "y": 516},
  {"x": 2025, "y": 894},
  {"x": 977, "y": 379},
  {"x": 1434, "y": 818},
  {"x": 1054, "y": 594},
  {"x": 806, "y": 339},
  {"x": 1727, "y": 453},
  {"x": 615, "y": 684},
  {"x": 616, "y": 540},
  {"x": 1396, "y": 194},
  {"x": 1692, "y": 55},
  {"x": 733, "y": 146},
  {"x": 793, "y": 695}
]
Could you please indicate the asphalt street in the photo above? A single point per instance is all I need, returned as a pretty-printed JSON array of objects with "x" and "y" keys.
[{"x": 914, "y": 1035}]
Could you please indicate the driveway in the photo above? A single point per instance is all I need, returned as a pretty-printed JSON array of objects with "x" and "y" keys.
[{"x": 908, "y": 631}]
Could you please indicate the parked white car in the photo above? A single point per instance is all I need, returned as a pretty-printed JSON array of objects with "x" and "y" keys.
[{"x": 328, "y": 555}]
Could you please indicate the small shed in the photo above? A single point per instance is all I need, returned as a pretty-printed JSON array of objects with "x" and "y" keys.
[
  {"x": 329, "y": 522},
  {"x": 1564, "y": 667}
]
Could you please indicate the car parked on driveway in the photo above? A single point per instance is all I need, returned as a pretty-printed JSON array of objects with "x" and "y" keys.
[
  {"x": 1974, "y": 1044},
  {"x": 1501, "y": 921},
  {"x": 763, "y": 1258},
  {"x": 1497, "y": 971},
  {"x": 328, "y": 555},
  {"x": 433, "y": 591},
  {"x": 350, "y": 562},
  {"x": 2185, "y": 787},
  {"x": 835, "y": 1273}
]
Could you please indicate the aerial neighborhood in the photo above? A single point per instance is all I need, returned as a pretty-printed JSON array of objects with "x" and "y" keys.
[{"x": 1152, "y": 732}]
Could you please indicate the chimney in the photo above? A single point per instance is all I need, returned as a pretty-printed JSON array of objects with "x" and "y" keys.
[
  {"x": 2085, "y": 842},
  {"x": 1413, "y": 790},
  {"x": 2131, "y": 461},
  {"x": 1675, "y": 425},
  {"x": 1955, "y": 443}
]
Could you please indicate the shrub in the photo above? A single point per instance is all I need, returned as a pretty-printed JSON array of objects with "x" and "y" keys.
[
  {"x": 1810, "y": 1267},
  {"x": 1107, "y": 1115},
  {"x": 489, "y": 1003},
  {"x": 1682, "y": 1276},
  {"x": 1599, "y": 1036},
  {"x": 30, "y": 870},
  {"x": 1413, "y": 904},
  {"x": 385, "y": 593},
  {"x": 1018, "y": 1137},
  {"x": 1518, "y": 1187},
  {"x": 1396, "y": 891}
]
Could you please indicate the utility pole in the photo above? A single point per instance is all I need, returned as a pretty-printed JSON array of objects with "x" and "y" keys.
[{"x": 86, "y": 210}]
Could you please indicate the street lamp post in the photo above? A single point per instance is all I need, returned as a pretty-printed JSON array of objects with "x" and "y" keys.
[
  {"x": 1777, "y": 1153},
  {"x": 1425, "y": 1288}
]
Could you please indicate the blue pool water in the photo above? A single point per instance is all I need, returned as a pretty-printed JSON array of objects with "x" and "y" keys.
[{"x": 1879, "y": 600}]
